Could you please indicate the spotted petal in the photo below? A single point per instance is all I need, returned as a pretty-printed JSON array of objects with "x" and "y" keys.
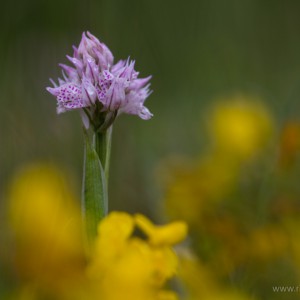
[{"x": 69, "y": 96}]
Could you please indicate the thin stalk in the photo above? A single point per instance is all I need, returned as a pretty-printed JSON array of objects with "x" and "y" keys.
[
  {"x": 102, "y": 142},
  {"x": 94, "y": 189}
]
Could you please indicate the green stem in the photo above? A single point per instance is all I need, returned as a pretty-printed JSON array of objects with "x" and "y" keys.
[
  {"x": 94, "y": 189},
  {"x": 102, "y": 142}
]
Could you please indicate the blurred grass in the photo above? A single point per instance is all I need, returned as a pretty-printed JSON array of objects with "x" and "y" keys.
[{"x": 196, "y": 50}]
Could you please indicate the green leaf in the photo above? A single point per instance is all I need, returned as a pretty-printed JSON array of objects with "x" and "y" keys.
[{"x": 94, "y": 203}]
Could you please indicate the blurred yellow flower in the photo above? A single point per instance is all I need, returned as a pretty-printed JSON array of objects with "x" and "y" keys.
[
  {"x": 240, "y": 126},
  {"x": 139, "y": 268},
  {"x": 50, "y": 258},
  {"x": 47, "y": 226},
  {"x": 242, "y": 210}
]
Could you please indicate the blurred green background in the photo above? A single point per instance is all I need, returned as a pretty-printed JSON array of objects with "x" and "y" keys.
[{"x": 195, "y": 50}]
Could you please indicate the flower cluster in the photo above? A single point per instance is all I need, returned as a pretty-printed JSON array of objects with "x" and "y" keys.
[
  {"x": 241, "y": 203},
  {"x": 97, "y": 85}
]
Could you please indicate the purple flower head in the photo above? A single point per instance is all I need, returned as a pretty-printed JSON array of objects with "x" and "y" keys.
[{"x": 99, "y": 87}]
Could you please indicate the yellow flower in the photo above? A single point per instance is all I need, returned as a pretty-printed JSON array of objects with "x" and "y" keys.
[
  {"x": 47, "y": 226},
  {"x": 138, "y": 268},
  {"x": 49, "y": 252},
  {"x": 240, "y": 126}
]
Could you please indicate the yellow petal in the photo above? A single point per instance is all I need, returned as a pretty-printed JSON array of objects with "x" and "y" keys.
[{"x": 169, "y": 234}]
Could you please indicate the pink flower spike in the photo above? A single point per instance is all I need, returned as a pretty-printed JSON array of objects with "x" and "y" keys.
[{"x": 98, "y": 85}]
